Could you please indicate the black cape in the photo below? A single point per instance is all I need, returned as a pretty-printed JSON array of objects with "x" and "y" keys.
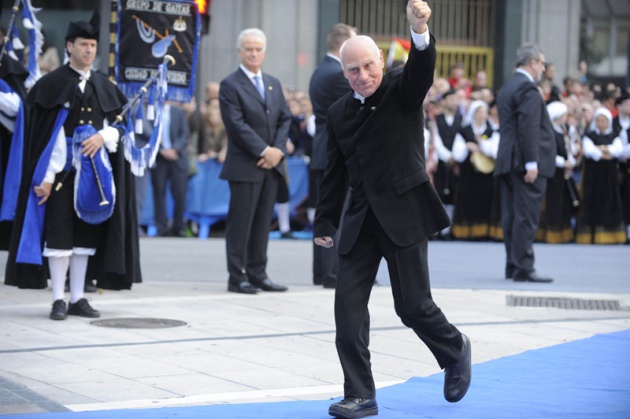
[
  {"x": 14, "y": 74},
  {"x": 116, "y": 264}
]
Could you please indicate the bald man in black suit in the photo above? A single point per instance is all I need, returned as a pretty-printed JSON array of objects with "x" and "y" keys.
[{"x": 376, "y": 145}]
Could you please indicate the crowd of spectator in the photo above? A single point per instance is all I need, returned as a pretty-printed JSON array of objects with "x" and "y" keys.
[{"x": 462, "y": 140}]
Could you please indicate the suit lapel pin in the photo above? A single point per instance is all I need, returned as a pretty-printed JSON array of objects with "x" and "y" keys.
[
  {"x": 373, "y": 108},
  {"x": 270, "y": 88}
]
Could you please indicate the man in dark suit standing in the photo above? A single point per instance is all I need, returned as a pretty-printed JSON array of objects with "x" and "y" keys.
[
  {"x": 257, "y": 121},
  {"x": 171, "y": 164},
  {"x": 525, "y": 160},
  {"x": 376, "y": 146},
  {"x": 327, "y": 85}
]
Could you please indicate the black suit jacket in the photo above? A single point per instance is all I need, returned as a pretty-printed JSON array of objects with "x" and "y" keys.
[
  {"x": 381, "y": 151},
  {"x": 526, "y": 130},
  {"x": 252, "y": 124},
  {"x": 327, "y": 85}
]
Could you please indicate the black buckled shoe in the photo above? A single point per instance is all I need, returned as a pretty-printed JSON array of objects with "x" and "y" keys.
[
  {"x": 353, "y": 407},
  {"x": 457, "y": 376},
  {"x": 58, "y": 311},
  {"x": 82, "y": 308}
]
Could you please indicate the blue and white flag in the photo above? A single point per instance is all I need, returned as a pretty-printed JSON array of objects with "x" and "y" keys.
[{"x": 35, "y": 41}]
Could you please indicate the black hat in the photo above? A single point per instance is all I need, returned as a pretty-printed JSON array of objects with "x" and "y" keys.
[{"x": 87, "y": 30}]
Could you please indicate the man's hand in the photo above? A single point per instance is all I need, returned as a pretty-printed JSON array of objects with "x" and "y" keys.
[
  {"x": 43, "y": 191},
  {"x": 271, "y": 158},
  {"x": 324, "y": 241},
  {"x": 418, "y": 13},
  {"x": 169, "y": 153},
  {"x": 531, "y": 175},
  {"x": 92, "y": 145}
]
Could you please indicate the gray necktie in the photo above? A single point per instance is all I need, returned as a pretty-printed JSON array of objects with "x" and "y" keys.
[{"x": 259, "y": 86}]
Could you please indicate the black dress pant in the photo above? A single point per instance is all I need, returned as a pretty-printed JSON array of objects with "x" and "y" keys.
[
  {"x": 413, "y": 303},
  {"x": 521, "y": 205},
  {"x": 247, "y": 227},
  {"x": 175, "y": 172}
]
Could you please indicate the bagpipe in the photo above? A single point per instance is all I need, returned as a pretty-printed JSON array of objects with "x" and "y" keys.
[
  {"x": 96, "y": 205},
  {"x": 12, "y": 40}
]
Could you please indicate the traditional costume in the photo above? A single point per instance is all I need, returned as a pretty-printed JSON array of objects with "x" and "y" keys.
[
  {"x": 446, "y": 177},
  {"x": 601, "y": 221},
  {"x": 63, "y": 104},
  {"x": 12, "y": 93},
  {"x": 476, "y": 183},
  {"x": 558, "y": 206}
]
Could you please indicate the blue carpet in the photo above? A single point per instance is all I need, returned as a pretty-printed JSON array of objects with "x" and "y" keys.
[
  {"x": 297, "y": 235},
  {"x": 588, "y": 378}
]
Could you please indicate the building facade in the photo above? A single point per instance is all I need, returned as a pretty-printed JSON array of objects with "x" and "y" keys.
[{"x": 479, "y": 33}]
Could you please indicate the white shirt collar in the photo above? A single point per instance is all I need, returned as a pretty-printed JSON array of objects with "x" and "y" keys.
[
  {"x": 249, "y": 74},
  {"x": 334, "y": 57},
  {"x": 529, "y": 76},
  {"x": 85, "y": 75},
  {"x": 359, "y": 97}
]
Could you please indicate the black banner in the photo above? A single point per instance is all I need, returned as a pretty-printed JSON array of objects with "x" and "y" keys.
[{"x": 147, "y": 30}]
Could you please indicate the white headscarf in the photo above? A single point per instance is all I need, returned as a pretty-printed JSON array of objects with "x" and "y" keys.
[
  {"x": 599, "y": 112},
  {"x": 556, "y": 110},
  {"x": 470, "y": 114}
]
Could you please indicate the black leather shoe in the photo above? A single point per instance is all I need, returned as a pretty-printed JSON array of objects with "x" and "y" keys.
[
  {"x": 509, "y": 273},
  {"x": 82, "y": 308},
  {"x": 353, "y": 407},
  {"x": 267, "y": 285},
  {"x": 59, "y": 311},
  {"x": 288, "y": 235},
  {"x": 242, "y": 288},
  {"x": 457, "y": 376},
  {"x": 532, "y": 277}
]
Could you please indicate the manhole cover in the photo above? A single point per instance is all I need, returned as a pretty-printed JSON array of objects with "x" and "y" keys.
[
  {"x": 138, "y": 323},
  {"x": 566, "y": 303}
]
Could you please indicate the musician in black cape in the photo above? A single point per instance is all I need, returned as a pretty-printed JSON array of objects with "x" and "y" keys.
[
  {"x": 62, "y": 104},
  {"x": 13, "y": 75}
]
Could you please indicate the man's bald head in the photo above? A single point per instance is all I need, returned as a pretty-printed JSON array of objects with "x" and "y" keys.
[{"x": 362, "y": 62}]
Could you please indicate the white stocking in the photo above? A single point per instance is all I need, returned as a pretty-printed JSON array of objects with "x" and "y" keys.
[
  {"x": 78, "y": 269},
  {"x": 58, "y": 267}
]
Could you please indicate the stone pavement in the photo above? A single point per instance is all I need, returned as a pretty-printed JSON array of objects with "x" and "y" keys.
[{"x": 270, "y": 347}]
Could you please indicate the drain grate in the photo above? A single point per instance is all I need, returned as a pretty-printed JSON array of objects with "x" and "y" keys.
[
  {"x": 138, "y": 323},
  {"x": 566, "y": 303}
]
